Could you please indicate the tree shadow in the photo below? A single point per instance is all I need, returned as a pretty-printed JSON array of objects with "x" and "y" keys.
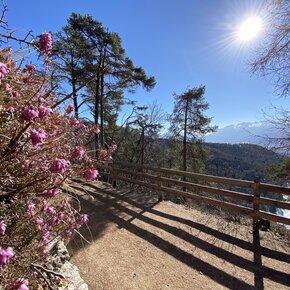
[{"x": 112, "y": 206}]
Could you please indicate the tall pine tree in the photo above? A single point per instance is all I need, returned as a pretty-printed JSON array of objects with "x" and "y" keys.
[{"x": 189, "y": 122}]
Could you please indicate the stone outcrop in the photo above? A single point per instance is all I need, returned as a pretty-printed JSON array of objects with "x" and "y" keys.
[{"x": 58, "y": 261}]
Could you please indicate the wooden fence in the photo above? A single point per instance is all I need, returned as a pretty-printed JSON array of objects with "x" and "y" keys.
[{"x": 243, "y": 197}]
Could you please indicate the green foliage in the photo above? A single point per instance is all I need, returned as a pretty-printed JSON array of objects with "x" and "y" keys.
[
  {"x": 189, "y": 123},
  {"x": 242, "y": 161},
  {"x": 104, "y": 62}
]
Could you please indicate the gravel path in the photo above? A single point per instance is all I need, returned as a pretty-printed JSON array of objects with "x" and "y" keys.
[{"x": 140, "y": 243}]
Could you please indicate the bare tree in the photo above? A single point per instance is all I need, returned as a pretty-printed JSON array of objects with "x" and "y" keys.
[
  {"x": 148, "y": 123},
  {"x": 273, "y": 57}
]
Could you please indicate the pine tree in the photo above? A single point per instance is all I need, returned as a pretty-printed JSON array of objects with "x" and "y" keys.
[
  {"x": 188, "y": 121},
  {"x": 114, "y": 72},
  {"x": 70, "y": 55}
]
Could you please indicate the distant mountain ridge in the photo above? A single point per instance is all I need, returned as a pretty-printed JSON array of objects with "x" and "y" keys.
[{"x": 247, "y": 132}]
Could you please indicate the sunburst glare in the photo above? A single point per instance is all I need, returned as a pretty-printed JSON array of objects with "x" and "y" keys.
[
  {"x": 240, "y": 29},
  {"x": 249, "y": 29}
]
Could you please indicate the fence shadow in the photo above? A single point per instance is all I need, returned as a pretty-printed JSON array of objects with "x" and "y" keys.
[{"x": 109, "y": 206}]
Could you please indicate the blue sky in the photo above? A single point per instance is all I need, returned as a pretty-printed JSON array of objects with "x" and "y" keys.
[{"x": 183, "y": 43}]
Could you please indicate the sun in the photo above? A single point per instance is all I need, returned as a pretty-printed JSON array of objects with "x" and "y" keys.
[{"x": 249, "y": 29}]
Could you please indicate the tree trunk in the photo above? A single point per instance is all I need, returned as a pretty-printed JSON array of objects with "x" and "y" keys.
[
  {"x": 75, "y": 99},
  {"x": 102, "y": 99},
  {"x": 184, "y": 167},
  {"x": 102, "y": 134},
  {"x": 142, "y": 146},
  {"x": 96, "y": 112}
]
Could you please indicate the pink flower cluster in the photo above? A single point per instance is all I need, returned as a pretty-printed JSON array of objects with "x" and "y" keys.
[
  {"x": 81, "y": 126},
  {"x": 113, "y": 147},
  {"x": 91, "y": 174},
  {"x": 79, "y": 153},
  {"x": 59, "y": 165},
  {"x": 50, "y": 193},
  {"x": 39, "y": 169},
  {"x": 21, "y": 284},
  {"x": 105, "y": 154},
  {"x": 38, "y": 136},
  {"x": 83, "y": 219},
  {"x": 45, "y": 43},
  {"x": 44, "y": 112},
  {"x": 5, "y": 255},
  {"x": 74, "y": 121},
  {"x": 46, "y": 217},
  {"x": 95, "y": 130},
  {"x": 2, "y": 228},
  {"x": 3, "y": 70},
  {"x": 15, "y": 95},
  {"x": 70, "y": 108},
  {"x": 29, "y": 114}
]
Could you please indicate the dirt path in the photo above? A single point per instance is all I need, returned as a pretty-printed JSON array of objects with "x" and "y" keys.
[{"x": 138, "y": 243}]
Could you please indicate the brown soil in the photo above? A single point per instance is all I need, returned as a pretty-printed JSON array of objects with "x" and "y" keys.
[{"x": 140, "y": 243}]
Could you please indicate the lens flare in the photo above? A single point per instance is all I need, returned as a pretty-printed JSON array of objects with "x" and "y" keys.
[{"x": 249, "y": 29}]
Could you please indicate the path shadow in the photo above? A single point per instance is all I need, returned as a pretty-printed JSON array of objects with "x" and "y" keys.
[
  {"x": 147, "y": 202},
  {"x": 111, "y": 206}
]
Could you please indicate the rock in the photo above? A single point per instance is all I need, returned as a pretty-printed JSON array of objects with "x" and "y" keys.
[
  {"x": 72, "y": 277},
  {"x": 58, "y": 261}
]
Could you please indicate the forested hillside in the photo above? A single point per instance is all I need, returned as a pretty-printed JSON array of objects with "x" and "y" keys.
[{"x": 243, "y": 161}]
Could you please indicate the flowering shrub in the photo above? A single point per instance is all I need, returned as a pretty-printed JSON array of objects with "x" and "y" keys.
[{"x": 40, "y": 148}]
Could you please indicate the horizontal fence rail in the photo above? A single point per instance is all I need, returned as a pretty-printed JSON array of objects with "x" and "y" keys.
[{"x": 244, "y": 196}]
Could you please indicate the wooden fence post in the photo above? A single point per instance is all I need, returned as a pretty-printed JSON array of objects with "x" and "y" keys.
[
  {"x": 256, "y": 206},
  {"x": 113, "y": 179},
  {"x": 159, "y": 183},
  {"x": 258, "y": 274}
]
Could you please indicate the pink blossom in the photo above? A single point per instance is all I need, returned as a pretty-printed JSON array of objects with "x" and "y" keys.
[
  {"x": 3, "y": 70},
  {"x": 37, "y": 136},
  {"x": 68, "y": 233},
  {"x": 51, "y": 210},
  {"x": 95, "y": 130},
  {"x": 91, "y": 174},
  {"x": 113, "y": 147},
  {"x": 11, "y": 110},
  {"x": 44, "y": 112},
  {"x": 2, "y": 228},
  {"x": 7, "y": 49},
  {"x": 31, "y": 209},
  {"x": 21, "y": 284},
  {"x": 44, "y": 251},
  {"x": 8, "y": 88},
  {"x": 26, "y": 165},
  {"x": 45, "y": 238},
  {"x": 83, "y": 218},
  {"x": 74, "y": 121},
  {"x": 5, "y": 255},
  {"x": 105, "y": 154},
  {"x": 59, "y": 165},
  {"x": 15, "y": 95},
  {"x": 29, "y": 114},
  {"x": 78, "y": 153},
  {"x": 50, "y": 193},
  {"x": 81, "y": 126},
  {"x": 41, "y": 100},
  {"x": 30, "y": 68},
  {"x": 39, "y": 221},
  {"x": 45, "y": 43},
  {"x": 70, "y": 108}
]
